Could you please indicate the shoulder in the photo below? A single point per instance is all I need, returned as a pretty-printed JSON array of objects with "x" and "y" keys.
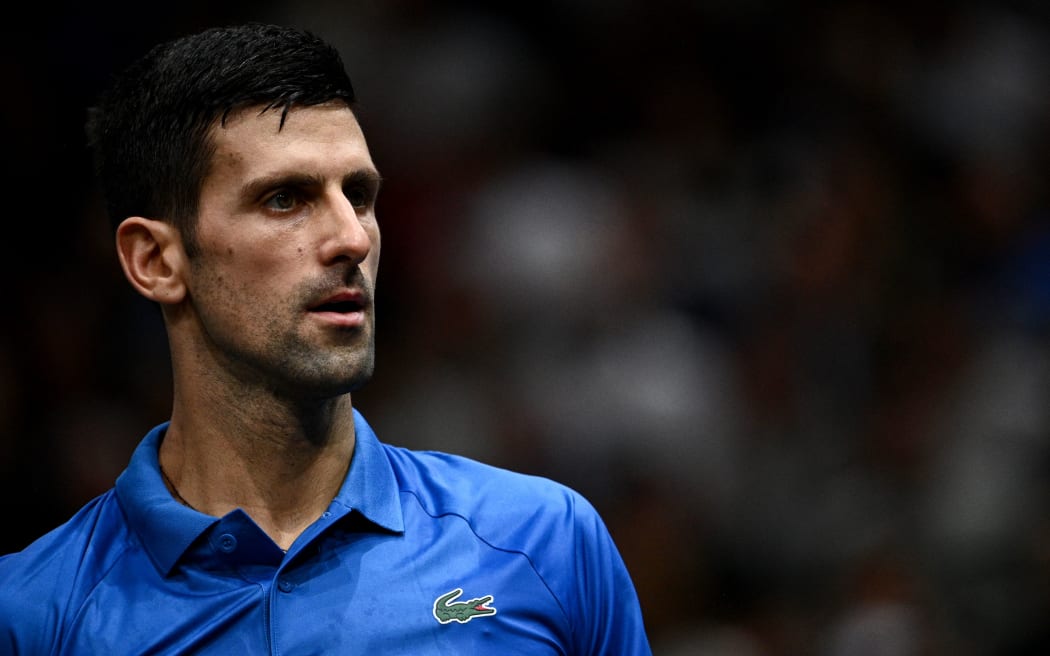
[
  {"x": 41, "y": 584},
  {"x": 449, "y": 484},
  {"x": 543, "y": 519}
]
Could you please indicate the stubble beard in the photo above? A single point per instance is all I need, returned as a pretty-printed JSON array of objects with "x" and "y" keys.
[
  {"x": 322, "y": 370},
  {"x": 292, "y": 359}
]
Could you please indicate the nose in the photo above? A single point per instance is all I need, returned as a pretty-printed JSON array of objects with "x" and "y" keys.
[{"x": 347, "y": 231}]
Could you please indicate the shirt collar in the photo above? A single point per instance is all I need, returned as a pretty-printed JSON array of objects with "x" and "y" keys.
[
  {"x": 167, "y": 528},
  {"x": 370, "y": 487}
]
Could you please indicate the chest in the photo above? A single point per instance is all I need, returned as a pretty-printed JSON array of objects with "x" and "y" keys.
[{"x": 432, "y": 590}]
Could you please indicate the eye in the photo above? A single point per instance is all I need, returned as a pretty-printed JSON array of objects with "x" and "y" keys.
[
  {"x": 282, "y": 201},
  {"x": 359, "y": 197}
]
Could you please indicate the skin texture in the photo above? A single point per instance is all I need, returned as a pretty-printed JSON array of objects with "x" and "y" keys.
[{"x": 262, "y": 372}]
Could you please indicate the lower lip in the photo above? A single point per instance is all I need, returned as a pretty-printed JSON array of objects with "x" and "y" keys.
[{"x": 341, "y": 319}]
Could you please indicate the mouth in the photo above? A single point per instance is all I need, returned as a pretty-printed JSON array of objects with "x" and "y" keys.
[{"x": 342, "y": 309}]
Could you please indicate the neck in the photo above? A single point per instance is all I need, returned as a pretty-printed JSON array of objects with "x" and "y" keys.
[{"x": 280, "y": 462}]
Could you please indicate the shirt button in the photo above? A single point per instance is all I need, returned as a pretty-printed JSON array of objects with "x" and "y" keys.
[
  {"x": 284, "y": 585},
  {"x": 227, "y": 543},
  {"x": 326, "y": 514}
]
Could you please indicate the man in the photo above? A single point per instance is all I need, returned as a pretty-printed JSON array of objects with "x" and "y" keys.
[{"x": 265, "y": 516}]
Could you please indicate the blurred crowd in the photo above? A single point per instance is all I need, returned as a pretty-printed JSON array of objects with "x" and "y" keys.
[{"x": 768, "y": 282}]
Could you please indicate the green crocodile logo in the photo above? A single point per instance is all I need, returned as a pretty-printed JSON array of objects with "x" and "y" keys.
[{"x": 447, "y": 609}]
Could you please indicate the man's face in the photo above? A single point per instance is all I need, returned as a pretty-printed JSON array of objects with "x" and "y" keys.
[{"x": 283, "y": 285}]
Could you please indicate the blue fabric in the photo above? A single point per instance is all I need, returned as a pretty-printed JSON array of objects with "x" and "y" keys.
[{"x": 420, "y": 553}]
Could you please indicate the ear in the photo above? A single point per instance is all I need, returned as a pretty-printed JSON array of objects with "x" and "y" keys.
[{"x": 153, "y": 259}]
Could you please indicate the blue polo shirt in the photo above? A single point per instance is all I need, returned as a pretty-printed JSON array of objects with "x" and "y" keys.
[{"x": 420, "y": 553}]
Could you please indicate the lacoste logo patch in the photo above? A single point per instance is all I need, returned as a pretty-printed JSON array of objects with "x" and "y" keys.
[{"x": 447, "y": 609}]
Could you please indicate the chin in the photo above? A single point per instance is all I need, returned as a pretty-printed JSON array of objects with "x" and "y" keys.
[
  {"x": 352, "y": 377},
  {"x": 358, "y": 382},
  {"x": 328, "y": 378}
]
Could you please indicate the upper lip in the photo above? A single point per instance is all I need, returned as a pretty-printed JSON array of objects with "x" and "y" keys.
[{"x": 354, "y": 298}]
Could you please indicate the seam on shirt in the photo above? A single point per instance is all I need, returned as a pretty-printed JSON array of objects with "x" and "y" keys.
[{"x": 131, "y": 540}]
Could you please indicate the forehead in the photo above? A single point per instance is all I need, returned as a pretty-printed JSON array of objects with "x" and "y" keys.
[{"x": 254, "y": 142}]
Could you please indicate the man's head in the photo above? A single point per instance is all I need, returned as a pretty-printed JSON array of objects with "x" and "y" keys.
[
  {"x": 151, "y": 130},
  {"x": 244, "y": 195}
]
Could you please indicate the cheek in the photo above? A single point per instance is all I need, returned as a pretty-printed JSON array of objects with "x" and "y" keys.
[
  {"x": 377, "y": 244},
  {"x": 242, "y": 270},
  {"x": 371, "y": 265}
]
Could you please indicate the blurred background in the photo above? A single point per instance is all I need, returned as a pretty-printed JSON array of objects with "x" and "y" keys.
[{"x": 768, "y": 282}]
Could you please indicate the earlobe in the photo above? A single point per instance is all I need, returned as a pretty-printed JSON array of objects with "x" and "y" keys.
[{"x": 152, "y": 257}]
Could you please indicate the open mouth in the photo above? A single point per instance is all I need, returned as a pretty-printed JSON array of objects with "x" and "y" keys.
[
  {"x": 347, "y": 309},
  {"x": 341, "y": 307}
]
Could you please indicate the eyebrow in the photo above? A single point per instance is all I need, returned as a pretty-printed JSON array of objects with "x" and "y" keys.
[
  {"x": 253, "y": 188},
  {"x": 365, "y": 177}
]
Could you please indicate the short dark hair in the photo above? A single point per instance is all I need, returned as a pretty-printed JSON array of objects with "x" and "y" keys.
[{"x": 149, "y": 130}]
